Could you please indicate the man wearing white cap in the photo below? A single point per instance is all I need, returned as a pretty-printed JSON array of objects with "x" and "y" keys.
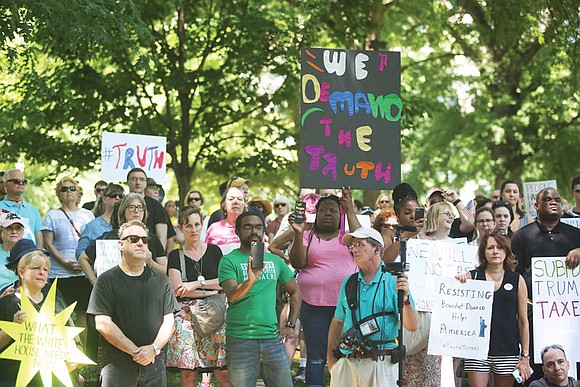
[{"x": 360, "y": 352}]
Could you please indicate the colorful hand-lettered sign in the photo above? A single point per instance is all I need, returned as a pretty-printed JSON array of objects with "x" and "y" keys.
[
  {"x": 350, "y": 119},
  {"x": 122, "y": 152},
  {"x": 43, "y": 342}
]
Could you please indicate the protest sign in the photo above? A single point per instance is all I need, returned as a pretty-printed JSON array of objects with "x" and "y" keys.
[
  {"x": 531, "y": 189},
  {"x": 571, "y": 221},
  {"x": 122, "y": 152},
  {"x": 350, "y": 109},
  {"x": 556, "y": 298},
  {"x": 108, "y": 255},
  {"x": 428, "y": 260},
  {"x": 461, "y": 319},
  {"x": 43, "y": 342}
]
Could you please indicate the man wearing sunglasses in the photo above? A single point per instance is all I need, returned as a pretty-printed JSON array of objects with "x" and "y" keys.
[
  {"x": 15, "y": 185},
  {"x": 99, "y": 189},
  {"x": 546, "y": 237},
  {"x": 133, "y": 307}
]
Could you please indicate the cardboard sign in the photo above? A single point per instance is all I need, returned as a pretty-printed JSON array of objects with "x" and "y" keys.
[
  {"x": 431, "y": 260},
  {"x": 531, "y": 189},
  {"x": 108, "y": 255},
  {"x": 122, "y": 152},
  {"x": 43, "y": 342},
  {"x": 350, "y": 112},
  {"x": 461, "y": 319},
  {"x": 556, "y": 297}
]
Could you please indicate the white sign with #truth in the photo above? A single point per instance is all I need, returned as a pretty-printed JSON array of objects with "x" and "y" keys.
[
  {"x": 461, "y": 319},
  {"x": 430, "y": 260}
]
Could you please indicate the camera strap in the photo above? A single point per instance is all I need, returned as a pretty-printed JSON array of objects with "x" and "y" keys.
[{"x": 351, "y": 291}]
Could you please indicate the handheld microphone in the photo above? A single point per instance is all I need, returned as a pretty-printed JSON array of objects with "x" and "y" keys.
[{"x": 400, "y": 227}]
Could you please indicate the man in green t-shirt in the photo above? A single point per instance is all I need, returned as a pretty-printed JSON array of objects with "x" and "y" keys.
[{"x": 254, "y": 342}]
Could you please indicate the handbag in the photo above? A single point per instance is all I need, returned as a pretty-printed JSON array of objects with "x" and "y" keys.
[{"x": 208, "y": 315}]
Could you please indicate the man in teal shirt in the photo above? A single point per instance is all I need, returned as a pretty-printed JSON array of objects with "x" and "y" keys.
[
  {"x": 254, "y": 342},
  {"x": 376, "y": 314}
]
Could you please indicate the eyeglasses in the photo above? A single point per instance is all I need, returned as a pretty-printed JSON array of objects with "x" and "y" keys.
[
  {"x": 387, "y": 225},
  {"x": 548, "y": 199},
  {"x": 17, "y": 181},
  {"x": 279, "y": 205},
  {"x": 552, "y": 346},
  {"x": 139, "y": 179},
  {"x": 448, "y": 214},
  {"x": 15, "y": 227},
  {"x": 484, "y": 221},
  {"x": 189, "y": 200},
  {"x": 249, "y": 227},
  {"x": 134, "y": 208},
  {"x": 115, "y": 195},
  {"x": 357, "y": 246},
  {"x": 135, "y": 238},
  {"x": 67, "y": 188}
]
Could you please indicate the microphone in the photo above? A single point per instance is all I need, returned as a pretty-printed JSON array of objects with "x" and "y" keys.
[{"x": 400, "y": 227}]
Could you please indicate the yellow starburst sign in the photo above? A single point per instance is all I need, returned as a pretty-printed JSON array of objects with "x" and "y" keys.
[{"x": 43, "y": 342}]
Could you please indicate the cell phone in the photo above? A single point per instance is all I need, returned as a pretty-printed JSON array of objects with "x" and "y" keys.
[
  {"x": 300, "y": 212},
  {"x": 419, "y": 213},
  {"x": 518, "y": 376},
  {"x": 257, "y": 253}
]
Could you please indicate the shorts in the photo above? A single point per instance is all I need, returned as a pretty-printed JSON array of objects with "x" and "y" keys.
[{"x": 499, "y": 365}]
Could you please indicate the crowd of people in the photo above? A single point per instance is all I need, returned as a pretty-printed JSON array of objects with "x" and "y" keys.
[{"x": 325, "y": 283}]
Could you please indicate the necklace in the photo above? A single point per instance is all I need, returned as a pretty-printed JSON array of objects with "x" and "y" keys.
[
  {"x": 198, "y": 265},
  {"x": 496, "y": 278}
]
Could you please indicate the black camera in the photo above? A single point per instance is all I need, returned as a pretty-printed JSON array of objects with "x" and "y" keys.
[
  {"x": 396, "y": 268},
  {"x": 352, "y": 339}
]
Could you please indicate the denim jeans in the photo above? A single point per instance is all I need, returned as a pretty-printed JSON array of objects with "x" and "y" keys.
[
  {"x": 316, "y": 323},
  {"x": 247, "y": 358},
  {"x": 125, "y": 372}
]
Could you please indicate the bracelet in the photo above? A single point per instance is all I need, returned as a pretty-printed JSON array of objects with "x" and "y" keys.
[
  {"x": 456, "y": 202},
  {"x": 290, "y": 325},
  {"x": 525, "y": 355}
]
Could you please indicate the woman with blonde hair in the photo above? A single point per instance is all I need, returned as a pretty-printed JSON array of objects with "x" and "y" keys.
[
  {"x": 440, "y": 217},
  {"x": 32, "y": 266}
]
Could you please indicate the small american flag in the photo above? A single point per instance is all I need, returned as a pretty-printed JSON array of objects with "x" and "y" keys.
[{"x": 469, "y": 210}]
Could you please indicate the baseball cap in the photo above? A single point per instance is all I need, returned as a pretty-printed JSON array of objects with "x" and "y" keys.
[
  {"x": 237, "y": 181},
  {"x": 434, "y": 190},
  {"x": 152, "y": 183},
  {"x": 366, "y": 210},
  {"x": 9, "y": 219},
  {"x": 363, "y": 232}
]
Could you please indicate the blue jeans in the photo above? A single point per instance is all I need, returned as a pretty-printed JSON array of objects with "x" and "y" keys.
[
  {"x": 247, "y": 358},
  {"x": 316, "y": 323},
  {"x": 125, "y": 372}
]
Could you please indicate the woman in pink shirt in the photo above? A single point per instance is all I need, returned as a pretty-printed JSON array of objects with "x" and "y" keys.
[{"x": 324, "y": 261}]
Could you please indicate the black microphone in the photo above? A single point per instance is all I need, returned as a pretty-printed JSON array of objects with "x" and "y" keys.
[{"x": 400, "y": 227}]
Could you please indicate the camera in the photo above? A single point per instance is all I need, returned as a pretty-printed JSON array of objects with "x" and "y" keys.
[
  {"x": 396, "y": 268},
  {"x": 352, "y": 339}
]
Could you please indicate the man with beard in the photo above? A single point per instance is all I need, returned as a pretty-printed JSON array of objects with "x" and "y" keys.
[
  {"x": 253, "y": 340},
  {"x": 546, "y": 237}
]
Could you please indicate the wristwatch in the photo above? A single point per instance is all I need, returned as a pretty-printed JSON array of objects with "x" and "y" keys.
[
  {"x": 290, "y": 325},
  {"x": 156, "y": 349}
]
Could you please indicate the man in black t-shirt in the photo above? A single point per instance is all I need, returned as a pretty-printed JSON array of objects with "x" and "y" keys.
[{"x": 133, "y": 307}]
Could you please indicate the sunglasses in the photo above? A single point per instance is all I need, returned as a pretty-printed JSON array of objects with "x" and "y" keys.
[
  {"x": 67, "y": 188},
  {"x": 384, "y": 201},
  {"x": 189, "y": 200},
  {"x": 17, "y": 181},
  {"x": 135, "y": 238},
  {"x": 280, "y": 205},
  {"x": 115, "y": 195}
]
